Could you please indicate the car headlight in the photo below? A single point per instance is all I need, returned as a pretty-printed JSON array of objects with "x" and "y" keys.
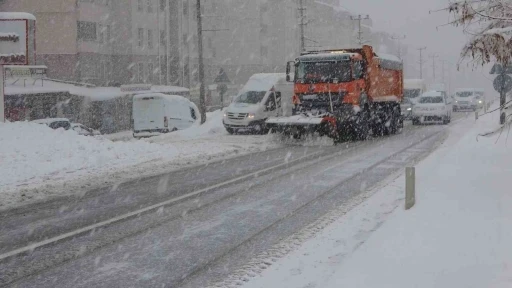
[
  {"x": 480, "y": 101},
  {"x": 251, "y": 115},
  {"x": 225, "y": 115},
  {"x": 409, "y": 109}
]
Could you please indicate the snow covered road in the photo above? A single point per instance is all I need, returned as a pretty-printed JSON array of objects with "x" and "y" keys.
[{"x": 244, "y": 213}]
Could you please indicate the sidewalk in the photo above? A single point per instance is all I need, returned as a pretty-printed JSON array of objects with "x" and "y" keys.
[{"x": 459, "y": 234}]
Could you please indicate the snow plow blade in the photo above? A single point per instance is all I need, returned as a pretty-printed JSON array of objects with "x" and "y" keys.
[{"x": 298, "y": 125}]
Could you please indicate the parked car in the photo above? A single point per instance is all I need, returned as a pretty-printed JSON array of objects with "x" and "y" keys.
[
  {"x": 406, "y": 108},
  {"x": 55, "y": 123},
  {"x": 432, "y": 107},
  {"x": 157, "y": 113},
  {"x": 84, "y": 130}
]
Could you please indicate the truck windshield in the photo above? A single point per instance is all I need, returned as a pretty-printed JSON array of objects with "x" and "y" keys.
[
  {"x": 412, "y": 93},
  {"x": 250, "y": 97},
  {"x": 464, "y": 94},
  {"x": 324, "y": 71}
]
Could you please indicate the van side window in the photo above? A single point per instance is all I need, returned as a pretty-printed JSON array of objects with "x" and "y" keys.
[
  {"x": 193, "y": 113},
  {"x": 278, "y": 99},
  {"x": 271, "y": 103}
]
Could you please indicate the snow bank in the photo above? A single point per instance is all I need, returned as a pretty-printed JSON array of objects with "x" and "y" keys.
[
  {"x": 37, "y": 163},
  {"x": 212, "y": 127},
  {"x": 32, "y": 152}
]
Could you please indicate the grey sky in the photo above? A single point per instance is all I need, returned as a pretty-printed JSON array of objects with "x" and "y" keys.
[{"x": 412, "y": 18}]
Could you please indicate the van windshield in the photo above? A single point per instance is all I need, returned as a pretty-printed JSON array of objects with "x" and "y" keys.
[
  {"x": 251, "y": 97},
  {"x": 412, "y": 93},
  {"x": 431, "y": 100},
  {"x": 464, "y": 94}
]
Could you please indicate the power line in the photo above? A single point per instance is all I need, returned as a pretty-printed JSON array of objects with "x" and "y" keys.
[
  {"x": 421, "y": 60},
  {"x": 302, "y": 26},
  {"x": 359, "y": 18},
  {"x": 434, "y": 57}
]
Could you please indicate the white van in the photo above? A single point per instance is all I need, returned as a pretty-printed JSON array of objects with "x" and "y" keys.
[
  {"x": 413, "y": 89},
  {"x": 157, "y": 113},
  {"x": 468, "y": 99},
  {"x": 264, "y": 95}
]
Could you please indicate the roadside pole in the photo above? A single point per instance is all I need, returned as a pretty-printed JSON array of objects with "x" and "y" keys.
[
  {"x": 410, "y": 187},
  {"x": 503, "y": 100},
  {"x": 2, "y": 98}
]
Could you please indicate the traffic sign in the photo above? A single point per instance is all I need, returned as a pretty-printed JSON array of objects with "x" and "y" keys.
[
  {"x": 502, "y": 83},
  {"x": 498, "y": 69},
  {"x": 222, "y": 77}
]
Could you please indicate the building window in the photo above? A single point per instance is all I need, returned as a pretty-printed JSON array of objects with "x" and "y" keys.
[
  {"x": 108, "y": 34},
  {"x": 185, "y": 7},
  {"x": 264, "y": 28},
  {"x": 150, "y": 6},
  {"x": 140, "y": 7},
  {"x": 140, "y": 73},
  {"x": 150, "y": 39},
  {"x": 150, "y": 72},
  {"x": 141, "y": 37},
  {"x": 100, "y": 33},
  {"x": 86, "y": 31},
  {"x": 264, "y": 51},
  {"x": 162, "y": 5},
  {"x": 162, "y": 38}
]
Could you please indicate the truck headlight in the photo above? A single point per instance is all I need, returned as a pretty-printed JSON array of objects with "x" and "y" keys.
[
  {"x": 251, "y": 115},
  {"x": 480, "y": 101}
]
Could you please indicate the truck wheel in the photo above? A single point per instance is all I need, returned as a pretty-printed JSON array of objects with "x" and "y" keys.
[
  {"x": 230, "y": 131},
  {"x": 362, "y": 127}
]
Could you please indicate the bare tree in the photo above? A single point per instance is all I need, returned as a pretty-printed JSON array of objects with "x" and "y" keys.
[{"x": 489, "y": 22}]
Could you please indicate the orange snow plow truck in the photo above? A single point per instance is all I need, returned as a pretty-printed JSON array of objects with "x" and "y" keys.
[{"x": 344, "y": 94}]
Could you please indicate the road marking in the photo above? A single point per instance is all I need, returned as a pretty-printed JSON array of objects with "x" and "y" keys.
[{"x": 92, "y": 227}]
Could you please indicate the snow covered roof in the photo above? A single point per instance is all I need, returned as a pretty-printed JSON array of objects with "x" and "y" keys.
[
  {"x": 16, "y": 15},
  {"x": 94, "y": 93},
  {"x": 161, "y": 96},
  {"x": 469, "y": 90},
  {"x": 263, "y": 81},
  {"x": 432, "y": 94},
  {"x": 328, "y": 56}
]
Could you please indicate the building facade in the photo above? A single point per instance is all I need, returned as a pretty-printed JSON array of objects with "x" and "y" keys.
[{"x": 105, "y": 42}]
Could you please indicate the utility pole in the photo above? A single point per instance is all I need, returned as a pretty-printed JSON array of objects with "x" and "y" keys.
[
  {"x": 399, "y": 44},
  {"x": 421, "y": 61},
  {"x": 434, "y": 57},
  {"x": 202, "y": 100},
  {"x": 359, "y": 18},
  {"x": 302, "y": 26}
]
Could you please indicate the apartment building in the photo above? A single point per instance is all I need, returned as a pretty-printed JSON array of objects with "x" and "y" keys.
[
  {"x": 247, "y": 37},
  {"x": 105, "y": 42}
]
